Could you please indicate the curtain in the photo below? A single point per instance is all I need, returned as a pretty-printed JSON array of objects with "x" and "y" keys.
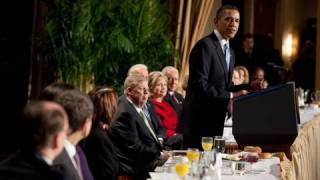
[{"x": 193, "y": 16}]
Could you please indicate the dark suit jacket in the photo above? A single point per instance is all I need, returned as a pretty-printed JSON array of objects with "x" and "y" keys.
[
  {"x": 207, "y": 96},
  {"x": 137, "y": 150},
  {"x": 26, "y": 166},
  {"x": 156, "y": 124},
  {"x": 64, "y": 159},
  {"x": 101, "y": 155},
  {"x": 177, "y": 106}
]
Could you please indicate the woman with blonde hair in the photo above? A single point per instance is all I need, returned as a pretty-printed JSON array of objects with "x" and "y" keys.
[
  {"x": 240, "y": 78},
  {"x": 166, "y": 114},
  {"x": 244, "y": 74}
]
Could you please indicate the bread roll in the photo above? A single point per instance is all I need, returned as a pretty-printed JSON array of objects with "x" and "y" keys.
[
  {"x": 265, "y": 155},
  {"x": 255, "y": 149}
]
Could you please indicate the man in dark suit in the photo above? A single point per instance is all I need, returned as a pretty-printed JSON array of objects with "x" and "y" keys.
[
  {"x": 45, "y": 126},
  {"x": 137, "y": 145},
  {"x": 210, "y": 67},
  {"x": 148, "y": 109},
  {"x": 80, "y": 110},
  {"x": 172, "y": 97}
]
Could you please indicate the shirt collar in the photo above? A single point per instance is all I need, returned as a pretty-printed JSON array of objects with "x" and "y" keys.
[
  {"x": 171, "y": 93},
  {"x": 138, "y": 109},
  {"x": 45, "y": 158},
  {"x": 70, "y": 148},
  {"x": 220, "y": 38}
]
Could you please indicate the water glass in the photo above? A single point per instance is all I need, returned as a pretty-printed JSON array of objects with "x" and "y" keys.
[
  {"x": 219, "y": 144},
  {"x": 238, "y": 167}
]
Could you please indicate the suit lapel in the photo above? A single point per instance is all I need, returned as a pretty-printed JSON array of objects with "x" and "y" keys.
[{"x": 141, "y": 121}]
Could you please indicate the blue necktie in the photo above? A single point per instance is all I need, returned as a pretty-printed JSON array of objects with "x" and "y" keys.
[
  {"x": 227, "y": 53},
  {"x": 146, "y": 112}
]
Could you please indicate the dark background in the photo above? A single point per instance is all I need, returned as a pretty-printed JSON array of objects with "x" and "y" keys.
[{"x": 15, "y": 41}]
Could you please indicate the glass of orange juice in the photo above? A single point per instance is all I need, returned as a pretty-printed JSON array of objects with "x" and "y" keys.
[
  {"x": 193, "y": 154},
  {"x": 182, "y": 167},
  {"x": 207, "y": 143}
]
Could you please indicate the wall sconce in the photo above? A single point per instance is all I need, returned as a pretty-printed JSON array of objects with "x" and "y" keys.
[{"x": 289, "y": 47}]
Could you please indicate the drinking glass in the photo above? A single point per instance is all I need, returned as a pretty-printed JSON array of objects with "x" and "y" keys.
[
  {"x": 219, "y": 144},
  {"x": 193, "y": 154},
  {"x": 238, "y": 167},
  {"x": 182, "y": 167},
  {"x": 207, "y": 143},
  {"x": 251, "y": 158}
]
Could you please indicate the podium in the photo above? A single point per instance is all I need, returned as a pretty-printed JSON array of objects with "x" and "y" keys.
[{"x": 266, "y": 118}]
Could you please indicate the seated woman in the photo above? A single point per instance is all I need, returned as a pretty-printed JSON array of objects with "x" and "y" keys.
[
  {"x": 98, "y": 148},
  {"x": 166, "y": 114},
  {"x": 240, "y": 78},
  {"x": 244, "y": 74},
  {"x": 236, "y": 80}
]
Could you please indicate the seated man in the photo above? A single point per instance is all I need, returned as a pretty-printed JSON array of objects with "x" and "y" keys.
[
  {"x": 174, "y": 98},
  {"x": 148, "y": 108},
  {"x": 137, "y": 145},
  {"x": 45, "y": 126},
  {"x": 80, "y": 110}
]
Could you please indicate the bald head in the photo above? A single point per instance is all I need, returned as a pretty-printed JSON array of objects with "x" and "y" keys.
[{"x": 138, "y": 70}]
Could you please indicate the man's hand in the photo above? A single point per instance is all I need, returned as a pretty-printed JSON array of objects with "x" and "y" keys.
[
  {"x": 258, "y": 84},
  {"x": 165, "y": 155}
]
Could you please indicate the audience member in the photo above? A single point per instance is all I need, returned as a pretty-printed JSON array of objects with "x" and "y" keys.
[
  {"x": 174, "y": 98},
  {"x": 148, "y": 109},
  {"x": 165, "y": 112},
  {"x": 80, "y": 110},
  {"x": 52, "y": 91},
  {"x": 98, "y": 147},
  {"x": 244, "y": 74},
  {"x": 45, "y": 127},
  {"x": 246, "y": 56},
  {"x": 240, "y": 79},
  {"x": 236, "y": 80},
  {"x": 258, "y": 81},
  {"x": 137, "y": 145},
  {"x": 138, "y": 69}
]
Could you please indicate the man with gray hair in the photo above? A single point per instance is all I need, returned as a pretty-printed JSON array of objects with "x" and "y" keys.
[
  {"x": 138, "y": 147},
  {"x": 138, "y": 69},
  {"x": 174, "y": 98},
  {"x": 148, "y": 109}
]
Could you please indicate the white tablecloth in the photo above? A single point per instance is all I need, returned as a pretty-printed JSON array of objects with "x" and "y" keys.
[{"x": 267, "y": 169}]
